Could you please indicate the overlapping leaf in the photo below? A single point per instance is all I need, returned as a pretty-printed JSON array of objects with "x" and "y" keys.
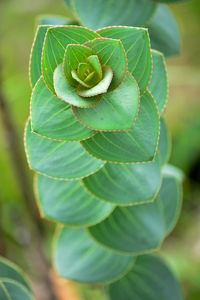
[
  {"x": 137, "y": 145},
  {"x": 164, "y": 146},
  {"x": 158, "y": 85},
  {"x": 79, "y": 258},
  {"x": 141, "y": 228},
  {"x": 11, "y": 271},
  {"x": 53, "y": 118},
  {"x": 137, "y": 46},
  {"x": 114, "y": 12},
  {"x": 10, "y": 289},
  {"x": 164, "y": 32},
  {"x": 13, "y": 283},
  {"x": 132, "y": 229},
  {"x": 149, "y": 279},
  {"x": 68, "y": 93},
  {"x": 117, "y": 110},
  {"x": 62, "y": 160},
  {"x": 56, "y": 41},
  {"x": 67, "y": 202},
  {"x": 125, "y": 184}
]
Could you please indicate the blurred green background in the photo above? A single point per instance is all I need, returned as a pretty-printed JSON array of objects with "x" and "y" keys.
[{"x": 182, "y": 247}]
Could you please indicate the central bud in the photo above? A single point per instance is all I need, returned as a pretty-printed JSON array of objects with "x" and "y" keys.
[{"x": 89, "y": 72}]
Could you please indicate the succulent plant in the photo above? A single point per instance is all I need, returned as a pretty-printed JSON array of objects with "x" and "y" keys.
[{"x": 99, "y": 146}]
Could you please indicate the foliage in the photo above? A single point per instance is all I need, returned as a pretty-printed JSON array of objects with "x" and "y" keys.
[
  {"x": 13, "y": 283},
  {"x": 100, "y": 147}
]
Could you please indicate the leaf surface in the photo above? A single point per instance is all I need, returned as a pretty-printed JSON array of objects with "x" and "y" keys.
[
  {"x": 62, "y": 160},
  {"x": 117, "y": 110},
  {"x": 137, "y": 145},
  {"x": 67, "y": 202},
  {"x": 132, "y": 229},
  {"x": 149, "y": 279},
  {"x": 36, "y": 54},
  {"x": 164, "y": 32},
  {"x": 137, "y": 46},
  {"x": 68, "y": 93},
  {"x": 158, "y": 85},
  {"x": 125, "y": 184},
  {"x": 115, "y": 12},
  {"x": 53, "y": 118},
  {"x": 111, "y": 54},
  {"x": 56, "y": 41},
  {"x": 86, "y": 261}
]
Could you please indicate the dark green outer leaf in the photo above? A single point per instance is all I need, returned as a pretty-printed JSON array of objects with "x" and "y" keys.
[
  {"x": 137, "y": 145},
  {"x": 11, "y": 271},
  {"x": 53, "y": 118},
  {"x": 137, "y": 46},
  {"x": 167, "y": 1},
  {"x": 158, "y": 85},
  {"x": 56, "y": 41},
  {"x": 36, "y": 53},
  {"x": 149, "y": 279},
  {"x": 164, "y": 145},
  {"x": 3, "y": 292},
  {"x": 164, "y": 32},
  {"x": 132, "y": 230},
  {"x": 67, "y": 202},
  {"x": 14, "y": 290},
  {"x": 61, "y": 160},
  {"x": 114, "y": 12},
  {"x": 53, "y": 20},
  {"x": 170, "y": 197},
  {"x": 125, "y": 184},
  {"x": 78, "y": 257}
]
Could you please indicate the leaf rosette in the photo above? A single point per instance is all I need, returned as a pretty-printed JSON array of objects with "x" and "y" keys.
[{"x": 98, "y": 142}]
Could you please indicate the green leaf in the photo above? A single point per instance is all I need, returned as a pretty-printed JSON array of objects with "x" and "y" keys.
[
  {"x": 67, "y": 202},
  {"x": 137, "y": 145},
  {"x": 171, "y": 170},
  {"x": 170, "y": 197},
  {"x": 62, "y": 160},
  {"x": 13, "y": 290},
  {"x": 159, "y": 85},
  {"x": 36, "y": 53},
  {"x": 53, "y": 118},
  {"x": 132, "y": 229},
  {"x": 78, "y": 257},
  {"x": 11, "y": 271},
  {"x": 115, "y": 12},
  {"x": 164, "y": 32},
  {"x": 101, "y": 88},
  {"x": 116, "y": 111},
  {"x": 56, "y": 41},
  {"x": 68, "y": 93},
  {"x": 53, "y": 20},
  {"x": 167, "y": 1},
  {"x": 137, "y": 46},
  {"x": 95, "y": 63},
  {"x": 74, "y": 55},
  {"x": 4, "y": 295},
  {"x": 149, "y": 279},
  {"x": 164, "y": 146},
  {"x": 125, "y": 184},
  {"x": 112, "y": 54}
]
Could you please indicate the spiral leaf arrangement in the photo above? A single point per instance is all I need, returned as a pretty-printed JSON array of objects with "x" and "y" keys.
[{"x": 99, "y": 146}]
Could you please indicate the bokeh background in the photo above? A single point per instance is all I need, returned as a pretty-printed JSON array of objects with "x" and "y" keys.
[{"x": 20, "y": 238}]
